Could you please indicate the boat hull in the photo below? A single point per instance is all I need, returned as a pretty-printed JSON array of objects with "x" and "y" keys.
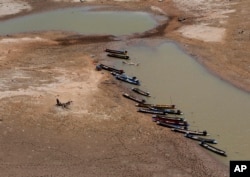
[
  {"x": 197, "y": 138},
  {"x": 133, "y": 98},
  {"x": 172, "y": 125},
  {"x": 168, "y": 111},
  {"x": 130, "y": 80},
  {"x": 151, "y": 111},
  {"x": 213, "y": 149},
  {"x": 108, "y": 68},
  {"x": 118, "y": 56},
  {"x": 123, "y": 52},
  {"x": 141, "y": 92},
  {"x": 192, "y": 132},
  {"x": 168, "y": 120},
  {"x": 155, "y": 106}
]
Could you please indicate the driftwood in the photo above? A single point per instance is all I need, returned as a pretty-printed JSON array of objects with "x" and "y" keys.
[{"x": 63, "y": 105}]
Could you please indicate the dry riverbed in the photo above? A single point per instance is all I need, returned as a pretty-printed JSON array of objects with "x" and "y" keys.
[{"x": 101, "y": 134}]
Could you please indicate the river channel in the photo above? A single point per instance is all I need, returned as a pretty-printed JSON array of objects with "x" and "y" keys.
[{"x": 208, "y": 103}]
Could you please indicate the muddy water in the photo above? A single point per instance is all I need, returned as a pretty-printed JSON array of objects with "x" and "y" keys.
[
  {"x": 81, "y": 20},
  {"x": 171, "y": 76}
]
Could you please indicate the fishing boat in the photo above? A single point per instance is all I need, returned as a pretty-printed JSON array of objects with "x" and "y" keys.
[
  {"x": 156, "y": 106},
  {"x": 108, "y": 68},
  {"x": 132, "y": 80},
  {"x": 118, "y": 56},
  {"x": 168, "y": 111},
  {"x": 149, "y": 111},
  {"x": 174, "y": 122},
  {"x": 213, "y": 149},
  {"x": 171, "y": 125},
  {"x": 133, "y": 98},
  {"x": 197, "y": 138},
  {"x": 123, "y": 52},
  {"x": 155, "y": 117},
  {"x": 192, "y": 132},
  {"x": 169, "y": 120},
  {"x": 141, "y": 92}
]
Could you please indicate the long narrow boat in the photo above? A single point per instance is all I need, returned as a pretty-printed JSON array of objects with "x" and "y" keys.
[
  {"x": 213, "y": 149},
  {"x": 162, "y": 117},
  {"x": 192, "y": 132},
  {"x": 171, "y": 125},
  {"x": 149, "y": 111},
  {"x": 109, "y": 68},
  {"x": 168, "y": 111},
  {"x": 130, "y": 80},
  {"x": 118, "y": 56},
  {"x": 141, "y": 92},
  {"x": 169, "y": 120},
  {"x": 174, "y": 122},
  {"x": 133, "y": 98},
  {"x": 197, "y": 138},
  {"x": 123, "y": 52},
  {"x": 156, "y": 106}
]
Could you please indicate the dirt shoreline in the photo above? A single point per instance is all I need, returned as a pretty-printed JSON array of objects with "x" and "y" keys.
[{"x": 41, "y": 139}]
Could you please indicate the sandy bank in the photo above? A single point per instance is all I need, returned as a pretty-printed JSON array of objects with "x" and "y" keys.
[
  {"x": 207, "y": 15},
  {"x": 9, "y": 7}
]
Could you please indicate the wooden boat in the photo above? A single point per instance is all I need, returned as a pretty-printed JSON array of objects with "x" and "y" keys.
[
  {"x": 149, "y": 111},
  {"x": 133, "y": 98},
  {"x": 169, "y": 120},
  {"x": 139, "y": 91},
  {"x": 168, "y": 117},
  {"x": 108, "y": 68},
  {"x": 156, "y": 106},
  {"x": 168, "y": 111},
  {"x": 197, "y": 138},
  {"x": 174, "y": 122},
  {"x": 125, "y": 78},
  {"x": 171, "y": 125},
  {"x": 123, "y": 52},
  {"x": 118, "y": 56},
  {"x": 192, "y": 132},
  {"x": 213, "y": 149}
]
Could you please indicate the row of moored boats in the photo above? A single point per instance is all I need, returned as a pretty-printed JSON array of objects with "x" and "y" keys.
[{"x": 164, "y": 115}]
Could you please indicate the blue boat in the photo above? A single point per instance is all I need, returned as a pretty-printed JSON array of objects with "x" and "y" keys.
[
  {"x": 123, "y": 77},
  {"x": 150, "y": 111},
  {"x": 168, "y": 111}
]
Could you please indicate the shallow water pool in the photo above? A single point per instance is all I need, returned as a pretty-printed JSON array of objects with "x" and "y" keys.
[{"x": 81, "y": 20}]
